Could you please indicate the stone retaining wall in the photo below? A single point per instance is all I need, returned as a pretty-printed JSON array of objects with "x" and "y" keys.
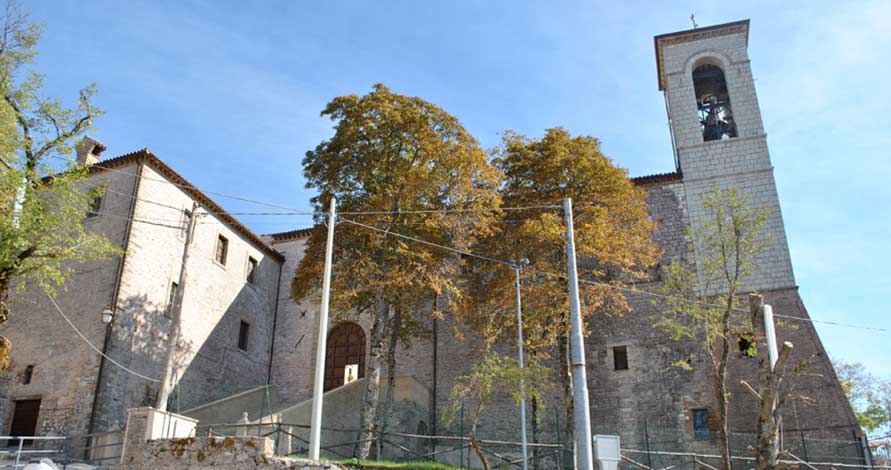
[{"x": 235, "y": 453}]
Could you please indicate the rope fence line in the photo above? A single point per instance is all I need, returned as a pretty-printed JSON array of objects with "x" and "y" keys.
[{"x": 551, "y": 450}]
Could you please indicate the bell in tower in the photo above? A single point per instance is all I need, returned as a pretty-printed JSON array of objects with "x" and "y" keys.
[{"x": 713, "y": 101}]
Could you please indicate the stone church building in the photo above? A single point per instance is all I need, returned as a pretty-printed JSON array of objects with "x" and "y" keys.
[{"x": 241, "y": 331}]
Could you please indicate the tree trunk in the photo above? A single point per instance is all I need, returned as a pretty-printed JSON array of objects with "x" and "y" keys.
[
  {"x": 721, "y": 386},
  {"x": 5, "y": 344},
  {"x": 384, "y": 416},
  {"x": 5, "y": 286},
  {"x": 477, "y": 449},
  {"x": 566, "y": 379},
  {"x": 723, "y": 432},
  {"x": 536, "y": 434},
  {"x": 372, "y": 380},
  {"x": 767, "y": 439}
]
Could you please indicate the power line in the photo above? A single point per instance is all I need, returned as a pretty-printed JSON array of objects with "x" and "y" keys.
[
  {"x": 586, "y": 281},
  {"x": 190, "y": 187},
  {"x": 424, "y": 242},
  {"x": 67, "y": 320},
  {"x": 444, "y": 211},
  {"x": 827, "y": 322}
]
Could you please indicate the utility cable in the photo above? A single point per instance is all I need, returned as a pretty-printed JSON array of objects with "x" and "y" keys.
[
  {"x": 67, "y": 320},
  {"x": 582, "y": 280}
]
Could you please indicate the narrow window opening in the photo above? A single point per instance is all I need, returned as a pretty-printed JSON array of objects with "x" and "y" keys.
[
  {"x": 171, "y": 298},
  {"x": 26, "y": 376},
  {"x": 184, "y": 227},
  {"x": 244, "y": 331},
  {"x": 222, "y": 250},
  {"x": 620, "y": 358},
  {"x": 713, "y": 101},
  {"x": 251, "y": 269},
  {"x": 700, "y": 423},
  {"x": 95, "y": 207},
  {"x": 746, "y": 345}
]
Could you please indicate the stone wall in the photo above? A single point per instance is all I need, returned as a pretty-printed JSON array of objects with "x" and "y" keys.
[
  {"x": 742, "y": 162},
  {"x": 236, "y": 453},
  {"x": 65, "y": 368},
  {"x": 297, "y": 328},
  {"x": 216, "y": 299}
]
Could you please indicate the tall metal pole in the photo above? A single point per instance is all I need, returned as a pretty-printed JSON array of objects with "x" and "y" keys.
[
  {"x": 771, "y": 334},
  {"x": 176, "y": 324},
  {"x": 315, "y": 430},
  {"x": 517, "y": 268},
  {"x": 583, "y": 458}
]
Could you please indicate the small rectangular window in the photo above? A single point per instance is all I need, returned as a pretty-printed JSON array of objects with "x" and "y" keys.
[
  {"x": 243, "y": 331},
  {"x": 27, "y": 374},
  {"x": 251, "y": 269},
  {"x": 171, "y": 297},
  {"x": 700, "y": 423},
  {"x": 184, "y": 227},
  {"x": 222, "y": 250},
  {"x": 620, "y": 358},
  {"x": 95, "y": 207}
]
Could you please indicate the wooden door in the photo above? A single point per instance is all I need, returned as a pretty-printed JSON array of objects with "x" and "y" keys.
[
  {"x": 346, "y": 345},
  {"x": 24, "y": 419}
]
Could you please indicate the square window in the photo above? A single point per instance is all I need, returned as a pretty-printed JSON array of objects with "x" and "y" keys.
[
  {"x": 251, "y": 269},
  {"x": 620, "y": 358},
  {"x": 700, "y": 423},
  {"x": 222, "y": 250},
  {"x": 244, "y": 331}
]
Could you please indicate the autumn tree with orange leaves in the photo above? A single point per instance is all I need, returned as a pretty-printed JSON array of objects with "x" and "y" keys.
[
  {"x": 393, "y": 154},
  {"x": 613, "y": 238}
]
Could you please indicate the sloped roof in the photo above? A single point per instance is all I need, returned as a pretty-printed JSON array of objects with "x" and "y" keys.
[{"x": 146, "y": 156}]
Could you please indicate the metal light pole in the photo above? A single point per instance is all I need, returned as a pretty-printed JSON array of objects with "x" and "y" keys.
[
  {"x": 583, "y": 457},
  {"x": 517, "y": 267},
  {"x": 315, "y": 430}
]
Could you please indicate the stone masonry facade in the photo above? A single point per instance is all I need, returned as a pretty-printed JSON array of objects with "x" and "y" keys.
[{"x": 651, "y": 404}]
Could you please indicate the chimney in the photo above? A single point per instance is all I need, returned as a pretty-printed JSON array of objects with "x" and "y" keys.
[{"x": 89, "y": 151}]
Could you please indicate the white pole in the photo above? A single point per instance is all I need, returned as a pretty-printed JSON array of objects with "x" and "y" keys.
[
  {"x": 315, "y": 430},
  {"x": 168, "y": 376},
  {"x": 771, "y": 334},
  {"x": 522, "y": 384},
  {"x": 582, "y": 416}
]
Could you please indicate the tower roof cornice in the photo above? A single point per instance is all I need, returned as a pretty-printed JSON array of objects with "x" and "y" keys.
[{"x": 695, "y": 34}]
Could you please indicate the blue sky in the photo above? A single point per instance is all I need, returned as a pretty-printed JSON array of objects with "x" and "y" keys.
[{"x": 229, "y": 93}]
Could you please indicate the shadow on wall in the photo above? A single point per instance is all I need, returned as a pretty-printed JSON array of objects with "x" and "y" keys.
[{"x": 218, "y": 354}]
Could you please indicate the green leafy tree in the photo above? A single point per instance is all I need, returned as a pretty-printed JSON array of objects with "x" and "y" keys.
[
  {"x": 42, "y": 203},
  {"x": 701, "y": 301},
  {"x": 490, "y": 379},
  {"x": 870, "y": 397},
  {"x": 613, "y": 237},
  {"x": 393, "y": 154}
]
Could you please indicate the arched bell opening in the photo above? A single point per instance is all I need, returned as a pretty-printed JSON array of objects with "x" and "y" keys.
[{"x": 713, "y": 101}]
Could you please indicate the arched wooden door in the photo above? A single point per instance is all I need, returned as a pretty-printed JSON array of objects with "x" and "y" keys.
[{"x": 346, "y": 346}]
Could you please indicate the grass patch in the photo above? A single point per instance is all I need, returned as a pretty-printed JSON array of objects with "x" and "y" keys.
[{"x": 389, "y": 464}]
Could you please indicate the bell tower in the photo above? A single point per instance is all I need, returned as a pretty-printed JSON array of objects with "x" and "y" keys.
[{"x": 717, "y": 132}]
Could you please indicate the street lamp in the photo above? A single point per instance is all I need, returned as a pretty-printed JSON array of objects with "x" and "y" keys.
[
  {"x": 107, "y": 315},
  {"x": 519, "y": 265}
]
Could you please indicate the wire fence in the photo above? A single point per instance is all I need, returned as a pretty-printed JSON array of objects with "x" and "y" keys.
[
  {"x": 460, "y": 451},
  {"x": 91, "y": 451}
]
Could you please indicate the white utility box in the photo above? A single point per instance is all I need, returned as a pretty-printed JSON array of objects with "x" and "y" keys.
[{"x": 607, "y": 451}]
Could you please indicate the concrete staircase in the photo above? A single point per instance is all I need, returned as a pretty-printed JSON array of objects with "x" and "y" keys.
[{"x": 340, "y": 417}]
